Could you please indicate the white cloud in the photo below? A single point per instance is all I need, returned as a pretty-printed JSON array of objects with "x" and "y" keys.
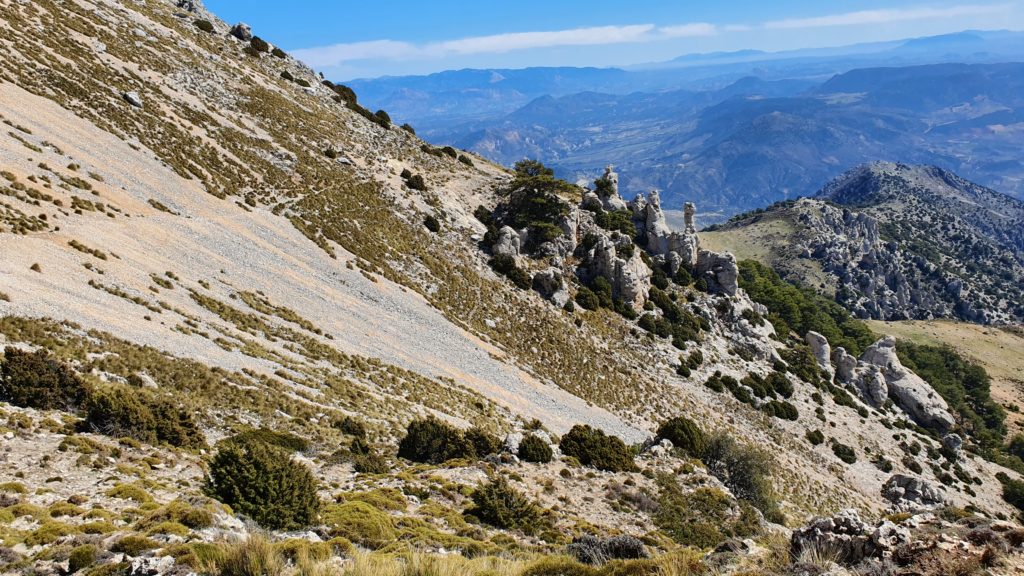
[
  {"x": 688, "y": 30},
  {"x": 397, "y": 51},
  {"x": 337, "y": 54},
  {"x": 884, "y": 16}
]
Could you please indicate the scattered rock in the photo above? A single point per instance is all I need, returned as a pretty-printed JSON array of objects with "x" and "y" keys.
[
  {"x": 508, "y": 242},
  {"x": 549, "y": 284},
  {"x": 911, "y": 494},
  {"x": 242, "y": 31},
  {"x": 845, "y": 535},
  {"x": 915, "y": 396},
  {"x": 133, "y": 99},
  {"x": 822, "y": 352}
]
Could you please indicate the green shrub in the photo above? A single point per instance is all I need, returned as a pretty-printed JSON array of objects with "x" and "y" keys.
[
  {"x": 432, "y": 441},
  {"x": 285, "y": 440},
  {"x": 35, "y": 380},
  {"x": 780, "y": 409},
  {"x": 431, "y": 223},
  {"x": 121, "y": 412},
  {"x": 204, "y": 25},
  {"x": 408, "y": 128},
  {"x": 498, "y": 504},
  {"x": 815, "y": 437},
  {"x": 484, "y": 443},
  {"x": 259, "y": 44},
  {"x": 746, "y": 470},
  {"x": 286, "y": 75},
  {"x": 586, "y": 298},
  {"x": 843, "y": 452},
  {"x": 533, "y": 449},
  {"x": 384, "y": 120},
  {"x": 81, "y": 557},
  {"x": 963, "y": 384},
  {"x": 684, "y": 434},
  {"x": 278, "y": 53},
  {"x": 506, "y": 265},
  {"x": 592, "y": 447},
  {"x": 262, "y": 481},
  {"x": 416, "y": 182},
  {"x": 801, "y": 310},
  {"x": 462, "y": 157},
  {"x": 701, "y": 518}
]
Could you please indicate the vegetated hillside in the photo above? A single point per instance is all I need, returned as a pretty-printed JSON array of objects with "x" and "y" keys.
[
  {"x": 759, "y": 142},
  {"x": 251, "y": 326},
  {"x": 892, "y": 241}
]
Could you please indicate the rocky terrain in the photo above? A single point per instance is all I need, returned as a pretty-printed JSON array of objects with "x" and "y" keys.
[
  {"x": 250, "y": 326},
  {"x": 895, "y": 242}
]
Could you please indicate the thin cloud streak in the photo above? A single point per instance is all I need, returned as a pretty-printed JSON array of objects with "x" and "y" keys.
[
  {"x": 498, "y": 43},
  {"x": 393, "y": 50},
  {"x": 883, "y": 16}
]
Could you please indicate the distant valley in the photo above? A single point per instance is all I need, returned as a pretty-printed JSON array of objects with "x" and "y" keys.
[{"x": 733, "y": 132}]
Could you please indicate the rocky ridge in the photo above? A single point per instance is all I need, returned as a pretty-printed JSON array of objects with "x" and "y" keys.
[{"x": 897, "y": 242}]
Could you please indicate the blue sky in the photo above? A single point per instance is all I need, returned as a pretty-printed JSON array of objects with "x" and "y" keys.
[{"x": 367, "y": 39}]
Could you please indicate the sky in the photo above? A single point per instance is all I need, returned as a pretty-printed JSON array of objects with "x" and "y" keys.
[{"x": 346, "y": 40}]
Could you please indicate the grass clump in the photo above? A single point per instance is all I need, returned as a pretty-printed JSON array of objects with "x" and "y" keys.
[
  {"x": 592, "y": 447},
  {"x": 289, "y": 442},
  {"x": 81, "y": 557},
  {"x": 134, "y": 545},
  {"x": 361, "y": 523},
  {"x": 262, "y": 481}
]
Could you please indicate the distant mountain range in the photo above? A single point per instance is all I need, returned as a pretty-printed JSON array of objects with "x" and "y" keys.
[
  {"x": 895, "y": 242},
  {"x": 735, "y": 131}
]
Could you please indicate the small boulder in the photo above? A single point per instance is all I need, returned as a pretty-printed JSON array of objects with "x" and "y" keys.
[
  {"x": 508, "y": 242},
  {"x": 133, "y": 99},
  {"x": 911, "y": 494},
  {"x": 242, "y": 31}
]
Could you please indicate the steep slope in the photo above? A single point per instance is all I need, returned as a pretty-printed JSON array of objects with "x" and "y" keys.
[
  {"x": 892, "y": 241},
  {"x": 196, "y": 221}
]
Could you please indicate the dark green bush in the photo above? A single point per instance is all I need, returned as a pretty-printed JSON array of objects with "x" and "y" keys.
[
  {"x": 35, "y": 380},
  {"x": 416, "y": 182},
  {"x": 261, "y": 481},
  {"x": 432, "y": 441},
  {"x": 533, "y": 449},
  {"x": 278, "y": 53},
  {"x": 122, "y": 412},
  {"x": 382, "y": 118},
  {"x": 466, "y": 160},
  {"x": 801, "y": 310},
  {"x": 621, "y": 220},
  {"x": 592, "y": 447},
  {"x": 702, "y": 518},
  {"x": 259, "y": 44},
  {"x": 586, "y": 298},
  {"x": 780, "y": 409},
  {"x": 684, "y": 434},
  {"x": 963, "y": 384},
  {"x": 746, "y": 470},
  {"x": 815, "y": 437},
  {"x": 286, "y": 75},
  {"x": 484, "y": 443},
  {"x": 498, "y": 504},
  {"x": 408, "y": 128},
  {"x": 431, "y": 223},
  {"x": 285, "y": 440},
  {"x": 843, "y": 452},
  {"x": 506, "y": 266},
  {"x": 204, "y": 25},
  {"x": 450, "y": 152}
]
